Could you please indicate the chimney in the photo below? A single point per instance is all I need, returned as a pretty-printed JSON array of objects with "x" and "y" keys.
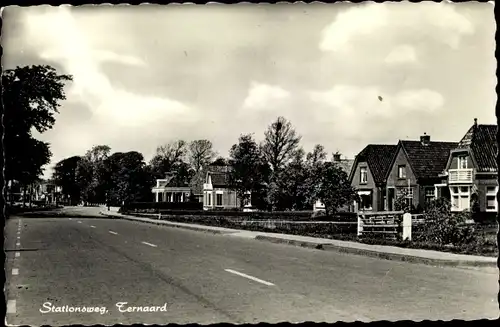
[
  {"x": 336, "y": 157},
  {"x": 425, "y": 139}
]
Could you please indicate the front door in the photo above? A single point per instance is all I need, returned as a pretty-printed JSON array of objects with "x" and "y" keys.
[{"x": 391, "y": 197}]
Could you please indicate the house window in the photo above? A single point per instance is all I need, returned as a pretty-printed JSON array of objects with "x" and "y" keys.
[
  {"x": 429, "y": 195},
  {"x": 402, "y": 171},
  {"x": 218, "y": 198},
  {"x": 209, "y": 198},
  {"x": 462, "y": 162},
  {"x": 363, "y": 175},
  {"x": 407, "y": 192},
  {"x": 365, "y": 200},
  {"x": 491, "y": 198},
  {"x": 460, "y": 198}
]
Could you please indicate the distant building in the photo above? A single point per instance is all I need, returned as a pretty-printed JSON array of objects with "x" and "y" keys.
[{"x": 170, "y": 190}]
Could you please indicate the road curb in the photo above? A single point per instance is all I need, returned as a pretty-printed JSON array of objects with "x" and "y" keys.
[
  {"x": 325, "y": 246},
  {"x": 379, "y": 255},
  {"x": 170, "y": 224}
]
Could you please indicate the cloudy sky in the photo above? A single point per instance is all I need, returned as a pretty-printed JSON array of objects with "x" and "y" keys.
[{"x": 145, "y": 75}]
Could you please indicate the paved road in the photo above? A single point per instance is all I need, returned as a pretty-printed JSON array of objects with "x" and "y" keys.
[{"x": 205, "y": 278}]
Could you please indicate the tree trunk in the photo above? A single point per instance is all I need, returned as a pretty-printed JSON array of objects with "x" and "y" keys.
[
  {"x": 24, "y": 196},
  {"x": 31, "y": 195}
]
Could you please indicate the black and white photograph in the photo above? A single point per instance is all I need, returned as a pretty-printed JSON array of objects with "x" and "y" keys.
[{"x": 246, "y": 163}]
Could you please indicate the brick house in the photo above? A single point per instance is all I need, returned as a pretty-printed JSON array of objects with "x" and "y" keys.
[
  {"x": 471, "y": 172},
  {"x": 217, "y": 193},
  {"x": 415, "y": 169},
  {"x": 369, "y": 174}
]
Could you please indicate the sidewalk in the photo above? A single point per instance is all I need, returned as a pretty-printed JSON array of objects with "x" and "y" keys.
[{"x": 379, "y": 251}]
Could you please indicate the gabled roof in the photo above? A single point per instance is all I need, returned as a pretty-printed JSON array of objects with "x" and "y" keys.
[
  {"x": 481, "y": 141},
  {"x": 379, "y": 158},
  {"x": 174, "y": 182},
  {"x": 219, "y": 179},
  {"x": 429, "y": 160}
]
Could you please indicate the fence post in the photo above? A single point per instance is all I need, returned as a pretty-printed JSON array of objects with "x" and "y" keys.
[
  {"x": 360, "y": 225},
  {"x": 407, "y": 226}
]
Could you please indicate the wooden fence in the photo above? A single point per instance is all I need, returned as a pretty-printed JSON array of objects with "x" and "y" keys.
[{"x": 388, "y": 224}]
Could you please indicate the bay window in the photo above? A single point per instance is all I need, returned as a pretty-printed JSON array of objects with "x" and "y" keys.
[{"x": 460, "y": 198}]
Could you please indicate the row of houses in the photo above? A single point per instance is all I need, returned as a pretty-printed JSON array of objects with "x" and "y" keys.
[{"x": 463, "y": 172}]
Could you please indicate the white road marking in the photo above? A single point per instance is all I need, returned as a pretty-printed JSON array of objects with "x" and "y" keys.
[
  {"x": 92, "y": 226},
  {"x": 15, "y": 271},
  {"x": 11, "y": 306},
  {"x": 79, "y": 222},
  {"x": 18, "y": 244},
  {"x": 249, "y": 277},
  {"x": 70, "y": 218},
  {"x": 115, "y": 233},
  {"x": 18, "y": 237},
  {"x": 18, "y": 254},
  {"x": 150, "y": 244}
]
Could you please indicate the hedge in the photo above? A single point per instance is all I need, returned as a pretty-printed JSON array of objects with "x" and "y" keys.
[
  {"x": 163, "y": 206},
  {"x": 255, "y": 215}
]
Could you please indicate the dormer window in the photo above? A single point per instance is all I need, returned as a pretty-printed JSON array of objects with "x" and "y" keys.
[
  {"x": 363, "y": 175},
  {"x": 462, "y": 162}
]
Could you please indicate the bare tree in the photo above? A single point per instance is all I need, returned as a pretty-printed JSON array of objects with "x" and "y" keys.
[
  {"x": 280, "y": 143},
  {"x": 200, "y": 154},
  {"x": 168, "y": 156}
]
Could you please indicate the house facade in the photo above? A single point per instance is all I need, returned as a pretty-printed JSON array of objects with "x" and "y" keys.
[
  {"x": 470, "y": 177},
  {"x": 368, "y": 176},
  {"x": 170, "y": 190},
  {"x": 217, "y": 193},
  {"x": 415, "y": 170}
]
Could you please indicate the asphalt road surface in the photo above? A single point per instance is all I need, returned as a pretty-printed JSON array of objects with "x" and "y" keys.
[{"x": 194, "y": 277}]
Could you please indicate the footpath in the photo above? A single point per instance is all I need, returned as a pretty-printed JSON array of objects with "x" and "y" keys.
[{"x": 428, "y": 257}]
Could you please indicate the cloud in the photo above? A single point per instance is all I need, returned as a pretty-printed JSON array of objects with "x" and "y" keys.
[
  {"x": 401, "y": 54},
  {"x": 439, "y": 21},
  {"x": 353, "y": 109},
  {"x": 264, "y": 96},
  {"x": 64, "y": 41}
]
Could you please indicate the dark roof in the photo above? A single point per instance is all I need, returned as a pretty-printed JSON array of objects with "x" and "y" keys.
[
  {"x": 174, "y": 182},
  {"x": 219, "y": 179},
  {"x": 379, "y": 158},
  {"x": 481, "y": 140},
  {"x": 428, "y": 161}
]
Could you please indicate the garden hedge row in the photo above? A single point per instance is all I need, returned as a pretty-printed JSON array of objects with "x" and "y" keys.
[{"x": 256, "y": 215}]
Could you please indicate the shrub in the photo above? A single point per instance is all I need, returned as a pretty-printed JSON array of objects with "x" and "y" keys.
[{"x": 445, "y": 227}]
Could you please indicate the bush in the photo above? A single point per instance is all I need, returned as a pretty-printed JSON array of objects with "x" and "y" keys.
[{"x": 445, "y": 227}]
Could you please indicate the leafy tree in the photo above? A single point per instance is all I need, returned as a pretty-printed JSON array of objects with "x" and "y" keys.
[
  {"x": 220, "y": 161},
  {"x": 249, "y": 171},
  {"x": 167, "y": 157},
  {"x": 31, "y": 97},
  {"x": 295, "y": 179},
  {"x": 200, "y": 154},
  {"x": 65, "y": 175},
  {"x": 92, "y": 174},
  {"x": 128, "y": 178},
  {"x": 334, "y": 188}
]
